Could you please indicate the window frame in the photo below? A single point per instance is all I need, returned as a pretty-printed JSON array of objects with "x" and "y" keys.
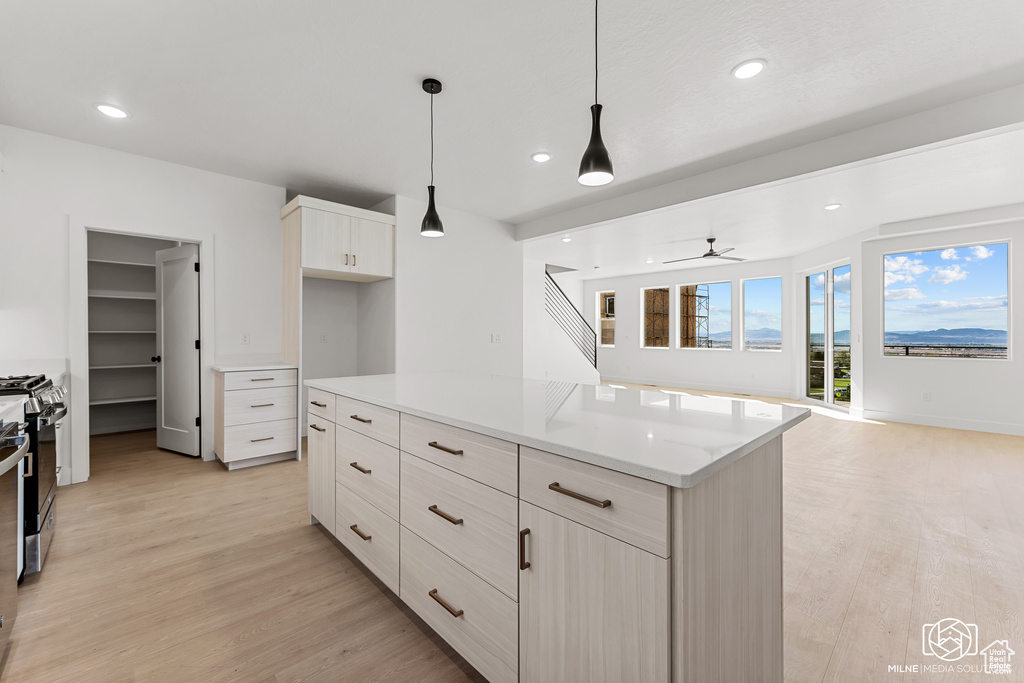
[
  {"x": 782, "y": 313},
  {"x": 643, "y": 315},
  {"x": 678, "y": 342},
  {"x": 598, "y": 310},
  {"x": 1008, "y": 241}
]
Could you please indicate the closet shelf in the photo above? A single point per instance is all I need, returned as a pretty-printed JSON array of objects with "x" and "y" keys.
[
  {"x": 126, "y": 399},
  {"x": 115, "y": 294},
  {"x": 122, "y": 331},
  {"x": 122, "y": 367},
  {"x": 122, "y": 263}
]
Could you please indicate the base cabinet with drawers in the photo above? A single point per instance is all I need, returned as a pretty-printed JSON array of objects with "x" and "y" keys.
[
  {"x": 255, "y": 414},
  {"x": 541, "y": 568}
]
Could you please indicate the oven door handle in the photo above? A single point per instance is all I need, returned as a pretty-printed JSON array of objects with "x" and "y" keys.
[{"x": 57, "y": 416}]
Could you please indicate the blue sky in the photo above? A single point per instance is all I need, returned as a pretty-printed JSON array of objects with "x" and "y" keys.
[
  {"x": 950, "y": 288},
  {"x": 762, "y": 303},
  {"x": 841, "y": 296},
  {"x": 719, "y": 307}
]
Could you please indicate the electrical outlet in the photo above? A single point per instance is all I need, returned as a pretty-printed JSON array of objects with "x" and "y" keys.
[
  {"x": 323, "y": 337},
  {"x": 495, "y": 337},
  {"x": 245, "y": 337}
]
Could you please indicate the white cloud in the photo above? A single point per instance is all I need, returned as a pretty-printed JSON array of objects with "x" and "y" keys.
[
  {"x": 761, "y": 317},
  {"x": 943, "y": 276},
  {"x": 841, "y": 283},
  {"x": 980, "y": 252},
  {"x": 817, "y": 302},
  {"x": 963, "y": 306},
  {"x": 903, "y": 294},
  {"x": 902, "y": 269},
  {"x": 949, "y": 255}
]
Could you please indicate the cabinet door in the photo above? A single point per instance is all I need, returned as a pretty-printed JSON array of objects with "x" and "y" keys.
[
  {"x": 326, "y": 241},
  {"x": 591, "y": 608},
  {"x": 320, "y": 451},
  {"x": 373, "y": 248}
]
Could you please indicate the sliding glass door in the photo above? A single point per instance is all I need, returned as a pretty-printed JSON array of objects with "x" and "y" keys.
[{"x": 828, "y": 336}]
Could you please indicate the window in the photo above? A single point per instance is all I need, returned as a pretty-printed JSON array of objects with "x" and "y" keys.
[
  {"x": 606, "y": 318},
  {"x": 656, "y": 317},
  {"x": 948, "y": 303},
  {"x": 705, "y": 316},
  {"x": 762, "y": 314}
]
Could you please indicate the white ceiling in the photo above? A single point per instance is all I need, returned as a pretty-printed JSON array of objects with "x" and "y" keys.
[
  {"x": 323, "y": 96},
  {"x": 788, "y": 217}
]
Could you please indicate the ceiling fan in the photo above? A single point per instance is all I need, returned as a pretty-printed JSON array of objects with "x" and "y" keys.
[{"x": 710, "y": 254}]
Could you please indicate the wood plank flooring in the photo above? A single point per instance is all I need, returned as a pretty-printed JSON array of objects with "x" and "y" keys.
[{"x": 168, "y": 569}]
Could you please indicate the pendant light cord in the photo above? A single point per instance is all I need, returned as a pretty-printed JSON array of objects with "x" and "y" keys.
[
  {"x": 431, "y": 138},
  {"x": 595, "y": 51}
]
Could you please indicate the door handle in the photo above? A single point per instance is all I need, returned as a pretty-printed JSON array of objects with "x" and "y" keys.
[
  {"x": 346, "y": 259},
  {"x": 579, "y": 496},
  {"x": 353, "y": 260},
  {"x": 155, "y": 359},
  {"x": 523, "y": 564}
]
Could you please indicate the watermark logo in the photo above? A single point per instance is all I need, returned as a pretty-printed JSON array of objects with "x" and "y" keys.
[
  {"x": 997, "y": 658},
  {"x": 950, "y": 639}
]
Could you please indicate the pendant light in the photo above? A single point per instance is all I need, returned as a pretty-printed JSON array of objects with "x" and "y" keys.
[
  {"x": 596, "y": 166},
  {"x": 431, "y": 225}
]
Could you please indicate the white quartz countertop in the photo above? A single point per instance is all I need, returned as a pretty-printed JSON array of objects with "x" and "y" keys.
[
  {"x": 254, "y": 367},
  {"x": 11, "y": 409},
  {"x": 675, "y": 439}
]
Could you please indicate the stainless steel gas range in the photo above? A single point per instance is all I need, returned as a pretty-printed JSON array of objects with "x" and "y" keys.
[{"x": 44, "y": 411}]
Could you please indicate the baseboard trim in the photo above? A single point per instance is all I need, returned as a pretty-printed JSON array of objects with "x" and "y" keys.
[{"x": 951, "y": 422}]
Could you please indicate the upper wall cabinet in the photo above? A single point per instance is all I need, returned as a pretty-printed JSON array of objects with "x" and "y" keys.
[{"x": 337, "y": 241}]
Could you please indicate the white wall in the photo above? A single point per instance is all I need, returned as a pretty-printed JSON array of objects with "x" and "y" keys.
[
  {"x": 329, "y": 307},
  {"x": 968, "y": 393},
  {"x": 49, "y": 180},
  {"x": 760, "y": 372},
  {"x": 452, "y": 293},
  {"x": 548, "y": 353}
]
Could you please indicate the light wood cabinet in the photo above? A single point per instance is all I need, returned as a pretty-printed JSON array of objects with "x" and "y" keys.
[
  {"x": 591, "y": 607},
  {"x": 320, "y": 449},
  {"x": 254, "y": 415},
  {"x": 338, "y": 242}
]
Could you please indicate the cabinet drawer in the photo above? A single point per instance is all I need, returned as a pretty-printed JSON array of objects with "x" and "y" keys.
[
  {"x": 255, "y": 440},
  {"x": 472, "y": 523},
  {"x": 638, "y": 510},
  {"x": 259, "y": 379},
  {"x": 369, "y": 467},
  {"x": 258, "y": 405},
  {"x": 486, "y": 633},
  {"x": 477, "y": 456},
  {"x": 321, "y": 404},
  {"x": 366, "y": 418},
  {"x": 377, "y": 546}
]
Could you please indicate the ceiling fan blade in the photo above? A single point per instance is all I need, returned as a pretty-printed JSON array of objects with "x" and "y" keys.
[
  {"x": 731, "y": 258},
  {"x": 692, "y": 258},
  {"x": 725, "y": 251}
]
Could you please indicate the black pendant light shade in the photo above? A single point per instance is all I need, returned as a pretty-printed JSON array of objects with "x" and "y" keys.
[
  {"x": 596, "y": 166},
  {"x": 431, "y": 225}
]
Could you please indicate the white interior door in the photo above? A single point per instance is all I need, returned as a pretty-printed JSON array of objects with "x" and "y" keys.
[{"x": 177, "y": 336}]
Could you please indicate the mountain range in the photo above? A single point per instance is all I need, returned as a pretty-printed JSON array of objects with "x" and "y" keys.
[
  {"x": 968, "y": 336},
  {"x": 762, "y": 334}
]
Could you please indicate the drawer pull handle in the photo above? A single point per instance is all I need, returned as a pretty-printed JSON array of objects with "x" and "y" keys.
[
  {"x": 434, "y": 444},
  {"x": 360, "y": 419},
  {"x": 319, "y": 429},
  {"x": 266, "y": 438},
  {"x": 523, "y": 564},
  {"x": 439, "y": 513},
  {"x": 579, "y": 496},
  {"x": 441, "y": 601},
  {"x": 318, "y": 405},
  {"x": 356, "y": 465},
  {"x": 261, "y": 405},
  {"x": 360, "y": 534},
  {"x": 263, "y": 379}
]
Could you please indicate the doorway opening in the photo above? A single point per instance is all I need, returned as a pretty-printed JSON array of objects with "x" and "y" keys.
[
  {"x": 829, "y": 363},
  {"x": 143, "y": 338}
]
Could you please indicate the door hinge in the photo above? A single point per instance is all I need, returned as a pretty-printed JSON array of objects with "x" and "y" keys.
[
  {"x": 197, "y": 266},
  {"x": 199, "y": 422},
  {"x": 197, "y": 344}
]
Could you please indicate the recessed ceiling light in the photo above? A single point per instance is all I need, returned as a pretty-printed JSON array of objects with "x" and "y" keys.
[
  {"x": 749, "y": 68},
  {"x": 541, "y": 157},
  {"x": 567, "y": 239},
  {"x": 650, "y": 260},
  {"x": 832, "y": 207},
  {"x": 112, "y": 111}
]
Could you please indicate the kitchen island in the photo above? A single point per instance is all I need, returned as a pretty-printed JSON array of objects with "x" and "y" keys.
[{"x": 552, "y": 531}]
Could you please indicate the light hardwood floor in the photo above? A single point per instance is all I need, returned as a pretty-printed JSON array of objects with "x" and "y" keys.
[{"x": 168, "y": 569}]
